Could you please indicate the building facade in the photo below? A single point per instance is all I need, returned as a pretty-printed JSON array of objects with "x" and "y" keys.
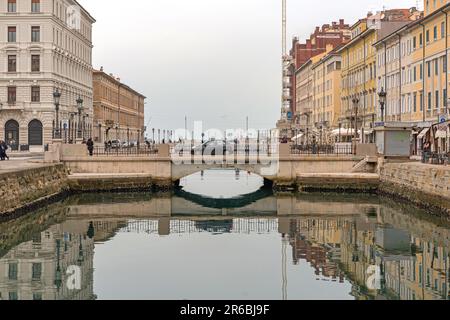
[
  {"x": 300, "y": 53},
  {"x": 412, "y": 65},
  {"x": 45, "y": 46},
  {"x": 359, "y": 69},
  {"x": 327, "y": 94},
  {"x": 118, "y": 110}
]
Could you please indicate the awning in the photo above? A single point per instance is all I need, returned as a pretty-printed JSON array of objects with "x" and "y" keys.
[
  {"x": 423, "y": 133},
  {"x": 367, "y": 131},
  {"x": 441, "y": 134},
  {"x": 297, "y": 137},
  {"x": 343, "y": 132}
]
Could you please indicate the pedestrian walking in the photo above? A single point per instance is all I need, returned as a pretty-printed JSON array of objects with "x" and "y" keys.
[{"x": 90, "y": 146}]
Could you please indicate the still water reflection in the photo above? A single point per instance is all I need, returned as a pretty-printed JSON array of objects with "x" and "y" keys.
[{"x": 258, "y": 246}]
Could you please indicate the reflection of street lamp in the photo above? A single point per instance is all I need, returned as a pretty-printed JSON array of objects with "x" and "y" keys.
[
  {"x": 58, "y": 275},
  {"x": 80, "y": 253},
  {"x": 382, "y": 95},
  {"x": 80, "y": 110},
  {"x": 56, "y": 100}
]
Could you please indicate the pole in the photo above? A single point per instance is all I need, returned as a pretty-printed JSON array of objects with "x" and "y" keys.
[{"x": 185, "y": 128}]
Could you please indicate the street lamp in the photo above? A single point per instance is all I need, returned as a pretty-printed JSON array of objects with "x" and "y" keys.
[
  {"x": 382, "y": 95},
  {"x": 80, "y": 110},
  {"x": 355, "y": 101},
  {"x": 56, "y": 100}
]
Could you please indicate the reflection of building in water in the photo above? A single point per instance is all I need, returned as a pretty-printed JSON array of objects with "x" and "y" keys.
[
  {"x": 380, "y": 262},
  {"x": 37, "y": 269},
  {"x": 317, "y": 241}
]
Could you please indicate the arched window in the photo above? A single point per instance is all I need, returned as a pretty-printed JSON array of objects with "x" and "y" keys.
[{"x": 35, "y": 133}]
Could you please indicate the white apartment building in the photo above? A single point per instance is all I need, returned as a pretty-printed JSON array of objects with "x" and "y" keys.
[{"x": 45, "y": 46}]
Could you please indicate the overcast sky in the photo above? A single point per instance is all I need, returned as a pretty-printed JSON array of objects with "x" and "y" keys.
[{"x": 213, "y": 60}]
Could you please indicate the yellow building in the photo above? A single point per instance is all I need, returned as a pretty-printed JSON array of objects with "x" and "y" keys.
[
  {"x": 359, "y": 69},
  {"x": 326, "y": 109},
  {"x": 412, "y": 68}
]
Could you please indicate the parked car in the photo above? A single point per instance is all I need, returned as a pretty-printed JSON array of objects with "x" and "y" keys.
[
  {"x": 213, "y": 147},
  {"x": 116, "y": 144}
]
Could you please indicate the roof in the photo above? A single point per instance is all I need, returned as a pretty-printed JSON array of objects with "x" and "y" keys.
[
  {"x": 85, "y": 11},
  {"x": 413, "y": 24},
  {"x": 116, "y": 81}
]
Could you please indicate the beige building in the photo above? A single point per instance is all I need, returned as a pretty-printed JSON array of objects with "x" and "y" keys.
[
  {"x": 45, "y": 45},
  {"x": 327, "y": 94},
  {"x": 118, "y": 110}
]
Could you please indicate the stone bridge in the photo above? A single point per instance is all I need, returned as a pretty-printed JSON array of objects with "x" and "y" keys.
[{"x": 284, "y": 169}]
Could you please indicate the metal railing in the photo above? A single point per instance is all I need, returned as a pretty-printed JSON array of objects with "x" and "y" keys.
[
  {"x": 436, "y": 158},
  {"x": 322, "y": 149},
  {"x": 125, "y": 151}
]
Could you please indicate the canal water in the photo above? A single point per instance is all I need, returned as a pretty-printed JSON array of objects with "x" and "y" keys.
[{"x": 222, "y": 236}]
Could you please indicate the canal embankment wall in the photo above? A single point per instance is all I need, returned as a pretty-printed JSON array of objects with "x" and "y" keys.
[
  {"x": 27, "y": 189},
  {"x": 427, "y": 186}
]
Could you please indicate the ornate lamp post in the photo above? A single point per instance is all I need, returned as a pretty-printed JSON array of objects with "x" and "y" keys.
[
  {"x": 382, "y": 95},
  {"x": 80, "y": 111},
  {"x": 56, "y": 100},
  {"x": 153, "y": 131},
  {"x": 355, "y": 101}
]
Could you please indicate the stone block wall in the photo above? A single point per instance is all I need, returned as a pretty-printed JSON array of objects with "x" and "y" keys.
[
  {"x": 427, "y": 186},
  {"x": 27, "y": 188}
]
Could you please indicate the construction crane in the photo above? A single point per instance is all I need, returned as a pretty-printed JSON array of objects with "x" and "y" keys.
[{"x": 286, "y": 61}]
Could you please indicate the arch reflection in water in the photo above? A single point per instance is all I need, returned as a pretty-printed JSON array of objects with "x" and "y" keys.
[{"x": 340, "y": 247}]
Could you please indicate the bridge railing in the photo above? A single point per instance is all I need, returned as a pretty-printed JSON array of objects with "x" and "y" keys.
[
  {"x": 322, "y": 150},
  {"x": 125, "y": 151}
]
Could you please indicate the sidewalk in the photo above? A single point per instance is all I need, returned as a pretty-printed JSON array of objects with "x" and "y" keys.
[{"x": 18, "y": 164}]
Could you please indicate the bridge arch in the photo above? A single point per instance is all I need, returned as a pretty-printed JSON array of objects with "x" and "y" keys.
[{"x": 180, "y": 171}]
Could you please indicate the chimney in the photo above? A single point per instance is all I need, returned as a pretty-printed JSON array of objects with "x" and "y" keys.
[
  {"x": 101, "y": 68},
  {"x": 341, "y": 22}
]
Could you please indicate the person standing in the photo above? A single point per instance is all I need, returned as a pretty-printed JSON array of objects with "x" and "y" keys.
[
  {"x": 90, "y": 146},
  {"x": 3, "y": 149}
]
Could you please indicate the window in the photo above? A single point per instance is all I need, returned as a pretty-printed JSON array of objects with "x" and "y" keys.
[
  {"x": 11, "y": 95},
  {"x": 429, "y": 69},
  {"x": 414, "y": 43},
  {"x": 35, "y": 6},
  {"x": 11, "y": 34},
  {"x": 415, "y": 74},
  {"x": 443, "y": 30},
  {"x": 12, "y": 6},
  {"x": 429, "y": 100},
  {"x": 37, "y": 296},
  {"x": 444, "y": 96},
  {"x": 36, "y": 271},
  {"x": 421, "y": 71},
  {"x": 436, "y": 66},
  {"x": 13, "y": 296},
  {"x": 444, "y": 64},
  {"x": 435, "y": 33},
  {"x": 35, "y": 34},
  {"x": 437, "y": 99},
  {"x": 35, "y": 63},
  {"x": 12, "y": 271},
  {"x": 12, "y": 63},
  {"x": 420, "y": 40},
  {"x": 35, "y": 94},
  {"x": 415, "y": 102},
  {"x": 427, "y": 36}
]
